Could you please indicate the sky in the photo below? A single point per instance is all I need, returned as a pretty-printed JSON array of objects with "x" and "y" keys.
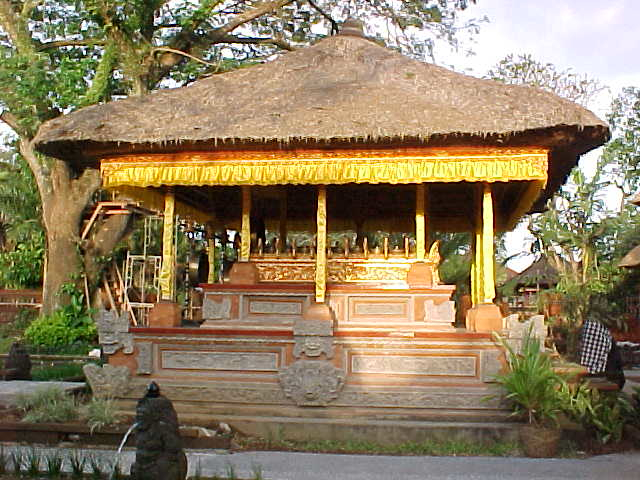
[{"x": 594, "y": 37}]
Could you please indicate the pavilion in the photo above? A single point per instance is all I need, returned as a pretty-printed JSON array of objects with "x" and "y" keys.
[{"x": 344, "y": 137}]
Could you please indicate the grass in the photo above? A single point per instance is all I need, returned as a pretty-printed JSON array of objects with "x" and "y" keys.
[
  {"x": 427, "y": 447},
  {"x": 61, "y": 371},
  {"x": 48, "y": 404}
]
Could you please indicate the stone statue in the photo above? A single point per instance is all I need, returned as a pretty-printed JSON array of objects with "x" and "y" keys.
[
  {"x": 159, "y": 452},
  {"x": 18, "y": 363}
]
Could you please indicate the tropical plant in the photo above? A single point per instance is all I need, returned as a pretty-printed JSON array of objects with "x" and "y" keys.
[
  {"x": 604, "y": 414},
  {"x": 100, "y": 413},
  {"x": 532, "y": 386},
  {"x": 70, "y": 324},
  {"x": 48, "y": 404}
]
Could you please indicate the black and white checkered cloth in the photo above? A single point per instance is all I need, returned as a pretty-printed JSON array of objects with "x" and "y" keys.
[{"x": 596, "y": 343}]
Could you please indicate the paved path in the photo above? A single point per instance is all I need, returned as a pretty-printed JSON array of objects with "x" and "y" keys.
[{"x": 311, "y": 466}]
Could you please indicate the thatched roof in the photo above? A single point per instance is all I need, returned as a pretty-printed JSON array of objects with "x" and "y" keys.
[
  {"x": 344, "y": 89},
  {"x": 631, "y": 259},
  {"x": 539, "y": 272}
]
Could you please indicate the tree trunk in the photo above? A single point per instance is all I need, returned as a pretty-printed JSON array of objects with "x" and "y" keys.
[{"x": 64, "y": 196}]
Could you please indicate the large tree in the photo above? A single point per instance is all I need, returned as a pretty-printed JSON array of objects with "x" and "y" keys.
[{"x": 62, "y": 55}]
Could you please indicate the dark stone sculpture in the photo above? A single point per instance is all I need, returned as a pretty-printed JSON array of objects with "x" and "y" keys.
[
  {"x": 159, "y": 451},
  {"x": 18, "y": 364}
]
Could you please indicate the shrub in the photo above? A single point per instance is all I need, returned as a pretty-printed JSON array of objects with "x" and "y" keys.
[
  {"x": 532, "y": 386},
  {"x": 66, "y": 326},
  {"x": 100, "y": 412},
  {"x": 49, "y": 404}
]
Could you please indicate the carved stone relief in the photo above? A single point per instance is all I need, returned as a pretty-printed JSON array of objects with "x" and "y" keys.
[
  {"x": 313, "y": 346},
  {"x": 214, "y": 310},
  {"x": 440, "y": 316},
  {"x": 311, "y": 382},
  {"x": 464, "y": 366},
  {"x": 107, "y": 381},
  {"x": 113, "y": 332},
  {"x": 236, "y": 361},
  {"x": 144, "y": 358}
]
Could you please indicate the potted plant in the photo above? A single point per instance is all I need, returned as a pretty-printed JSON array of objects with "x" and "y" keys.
[{"x": 532, "y": 388}]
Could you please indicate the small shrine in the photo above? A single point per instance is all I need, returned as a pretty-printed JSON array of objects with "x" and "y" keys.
[{"x": 332, "y": 165}]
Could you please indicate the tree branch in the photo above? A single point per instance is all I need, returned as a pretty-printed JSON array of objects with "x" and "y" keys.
[
  {"x": 242, "y": 18},
  {"x": 335, "y": 28},
  {"x": 70, "y": 43},
  {"x": 184, "y": 54},
  {"x": 278, "y": 42},
  {"x": 12, "y": 122}
]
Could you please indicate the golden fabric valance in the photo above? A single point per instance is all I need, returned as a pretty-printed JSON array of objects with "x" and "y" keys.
[{"x": 324, "y": 168}]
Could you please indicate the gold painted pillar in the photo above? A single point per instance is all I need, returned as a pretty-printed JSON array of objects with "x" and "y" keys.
[
  {"x": 168, "y": 269},
  {"x": 321, "y": 244},
  {"x": 482, "y": 269},
  {"x": 488, "y": 262},
  {"x": 421, "y": 232},
  {"x": 245, "y": 233}
]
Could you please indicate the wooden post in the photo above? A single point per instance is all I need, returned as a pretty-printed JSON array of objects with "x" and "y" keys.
[
  {"x": 420, "y": 222},
  {"x": 168, "y": 269},
  {"x": 321, "y": 244},
  {"x": 488, "y": 269},
  {"x": 245, "y": 235}
]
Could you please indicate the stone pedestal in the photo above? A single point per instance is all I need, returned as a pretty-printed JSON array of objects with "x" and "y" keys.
[
  {"x": 165, "y": 314},
  {"x": 243, "y": 273},
  {"x": 484, "y": 318},
  {"x": 420, "y": 275}
]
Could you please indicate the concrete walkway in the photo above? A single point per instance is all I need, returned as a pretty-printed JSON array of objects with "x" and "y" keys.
[{"x": 311, "y": 466}]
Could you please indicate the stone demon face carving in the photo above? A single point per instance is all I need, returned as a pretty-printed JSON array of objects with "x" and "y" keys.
[{"x": 312, "y": 382}]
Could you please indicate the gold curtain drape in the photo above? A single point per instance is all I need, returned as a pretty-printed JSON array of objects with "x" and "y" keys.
[{"x": 336, "y": 167}]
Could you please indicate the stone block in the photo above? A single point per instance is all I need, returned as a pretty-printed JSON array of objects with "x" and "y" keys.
[
  {"x": 484, "y": 318},
  {"x": 420, "y": 275},
  {"x": 165, "y": 314},
  {"x": 243, "y": 273}
]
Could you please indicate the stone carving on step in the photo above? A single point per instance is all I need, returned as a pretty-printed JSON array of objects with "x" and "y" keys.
[
  {"x": 216, "y": 310},
  {"x": 144, "y": 358},
  {"x": 313, "y": 338},
  {"x": 113, "y": 332},
  {"x": 441, "y": 316},
  {"x": 312, "y": 382},
  {"x": 108, "y": 381}
]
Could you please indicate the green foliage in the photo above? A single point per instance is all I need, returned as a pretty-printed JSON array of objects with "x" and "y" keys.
[
  {"x": 531, "y": 384},
  {"x": 77, "y": 461},
  {"x": 62, "y": 371},
  {"x": 605, "y": 414},
  {"x": 22, "y": 267},
  {"x": 66, "y": 326},
  {"x": 53, "y": 462},
  {"x": 100, "y": 413},
  {"x": 48, "y": 404}
]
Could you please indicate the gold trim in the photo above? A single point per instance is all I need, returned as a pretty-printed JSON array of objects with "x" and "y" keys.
[{"x": 320, "y": 168}]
